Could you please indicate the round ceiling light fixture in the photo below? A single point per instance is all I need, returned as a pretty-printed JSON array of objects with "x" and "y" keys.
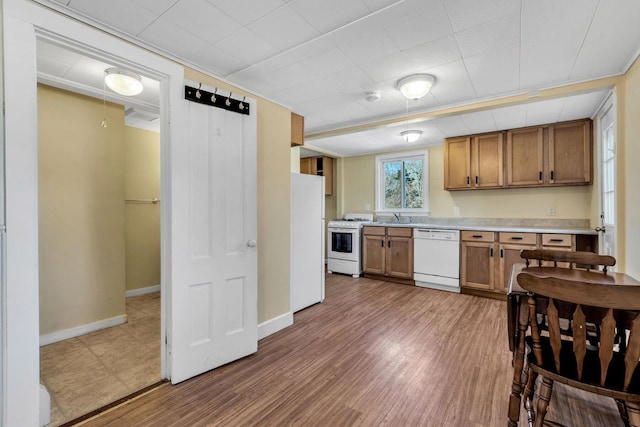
[
  {"x": 415, "y": 86},
  {"x": 123, "y": 82},
  {"x": 411, "y": 135}
]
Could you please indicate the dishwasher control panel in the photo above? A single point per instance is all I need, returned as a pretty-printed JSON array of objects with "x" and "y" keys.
[{"x": 422, "y": 233}]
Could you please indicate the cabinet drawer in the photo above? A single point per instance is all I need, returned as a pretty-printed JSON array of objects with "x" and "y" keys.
[
  {"x": 563, "y": 240},
  {"x": 519, "y": 238},
  {"x": 399, "y": 231},
  {"x": 375, "y": 231},
  {"x": 477, "y": 236}
]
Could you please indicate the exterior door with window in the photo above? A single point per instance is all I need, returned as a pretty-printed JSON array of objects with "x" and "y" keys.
[{"x": 607, "y": 157}]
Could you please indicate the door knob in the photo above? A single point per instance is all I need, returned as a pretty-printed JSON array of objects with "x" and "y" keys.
[{"x": 252, "y": 243}]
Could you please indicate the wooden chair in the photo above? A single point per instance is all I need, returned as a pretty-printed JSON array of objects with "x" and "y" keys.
[
  {"x": 563, "y": 348},
  {"x": 568, "y": 259}
]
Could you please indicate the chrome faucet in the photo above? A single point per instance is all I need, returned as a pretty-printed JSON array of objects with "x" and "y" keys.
[{"x": 397, "y": 215}]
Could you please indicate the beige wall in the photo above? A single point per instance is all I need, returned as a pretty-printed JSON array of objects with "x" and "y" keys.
[
  {"x": 142, "y": 221},
  {"x": 81, "y": 205},
  {"x": 274, "y": 186},
  {"x": 628, "y": 182},
  {"x": 570, "y": 202}
]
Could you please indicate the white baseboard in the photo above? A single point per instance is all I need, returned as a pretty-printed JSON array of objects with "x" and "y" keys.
[
  {"x": 274, "y": 325},
  {"x": 142, "y": 291},
  {"x": 65, "y": 334}
]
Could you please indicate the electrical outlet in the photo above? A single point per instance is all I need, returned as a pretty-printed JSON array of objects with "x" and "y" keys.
[
  {"x": 456, "y": 211},
  {"x": 551, "y": 211},
  {"x": 367, "y": 207}
]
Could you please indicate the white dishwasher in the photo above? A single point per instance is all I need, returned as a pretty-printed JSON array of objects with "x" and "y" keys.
[{"x": 436, "y": 259}]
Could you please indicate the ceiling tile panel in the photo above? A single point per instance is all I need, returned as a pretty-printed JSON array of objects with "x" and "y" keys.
[
  {"x": 201, "y": 19},
  {"x": 452, "y": 83},
  {"x": 156, "y": 6},
  {"x": 598, "y": 56},
  {"x": 542, "y": 112},
  {"x": 322, "y": 14},
  {"x": 552, "y": 34},
  {"x": 171, "y": 38},
  {"x": 214, "y": 58},
  {"x": 510, "y": 117},
  {"x": 135, "y": 20},
  {"x": 466, "y": 14},
  {"x": 245, "y": 45},
  {"x": 284, "y": 28},
  {"x": 421, "y": 28},
  {"x": 489, "y": 36},
  {"x": 306, "y": 92},
  {"x": 452, "y": 126},
  {"x": 246, "y": 11},
  {"x": 479, "y": 122},
  {"x": 350, "y": 80},
  {"x": 329, "y": 62},
  {"x": 369, "y": 47},
  {"x": 287, "y": 77},
  {"x": 414, "y": 60},
  {"x": 582, "y": 106},
  {"x": 494, "y": 72},
  {"x": 374, "y": 5}
]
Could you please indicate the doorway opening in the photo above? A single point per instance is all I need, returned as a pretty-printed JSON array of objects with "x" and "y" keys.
[
  {"x": 99, "y": 234},
  {"x": 607, "y": 177}
]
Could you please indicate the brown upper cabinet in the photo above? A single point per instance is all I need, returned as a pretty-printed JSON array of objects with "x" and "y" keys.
[
  {"x": 297, "y": 130},
  {"x": 321, "y": 166},
  {"x": 474, "y": 162},
  {"x": 552, "y": 155},
  {"x": 549, "y": 155}
]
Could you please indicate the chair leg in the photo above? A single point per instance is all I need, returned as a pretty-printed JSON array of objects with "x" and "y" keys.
[
  {"x": 622, "y": 408},
  {"x": 633, "y": 410},
  {"x": 527, "y": 396},
  {"x": 543, "y": 401}
]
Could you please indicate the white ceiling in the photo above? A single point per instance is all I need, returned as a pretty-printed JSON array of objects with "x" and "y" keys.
[{"x": 319, "y": 58}]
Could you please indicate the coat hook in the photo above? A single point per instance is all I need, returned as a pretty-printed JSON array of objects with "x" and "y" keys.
[
  {"x": 241, "y": 106},
  {"x": 198, "y": 94},
  {"x": 213, "y": 95},
  {"x": 228, "y": 101}
]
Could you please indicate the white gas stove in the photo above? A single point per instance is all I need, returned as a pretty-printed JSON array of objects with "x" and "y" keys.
[{"x": 345, "y": 244}]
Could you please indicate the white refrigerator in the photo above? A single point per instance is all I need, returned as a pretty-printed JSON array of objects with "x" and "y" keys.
[{"x": 307, "y": 240}]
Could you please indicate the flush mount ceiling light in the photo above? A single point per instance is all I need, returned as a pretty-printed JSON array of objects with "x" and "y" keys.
[
  {"x": 411, "y": 135},
  {"x": 415, "y": 86},
  {"x": 123, "y": 82}
]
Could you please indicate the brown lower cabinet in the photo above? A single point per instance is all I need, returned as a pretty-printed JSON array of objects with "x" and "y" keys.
[
  {"x": 388, "y": 253},
  {"x": 487, "y": 257}
]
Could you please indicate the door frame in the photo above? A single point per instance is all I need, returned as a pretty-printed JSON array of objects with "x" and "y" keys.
[
  {"x": 24, "y": 22},
  {"x": 609, "y": 104}
]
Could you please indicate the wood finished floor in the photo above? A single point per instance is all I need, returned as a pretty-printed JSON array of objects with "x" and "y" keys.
[{"x": 373, "y": 354}]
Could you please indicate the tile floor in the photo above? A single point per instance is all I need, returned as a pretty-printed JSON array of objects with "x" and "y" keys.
[{"x": 87, "y": 372}]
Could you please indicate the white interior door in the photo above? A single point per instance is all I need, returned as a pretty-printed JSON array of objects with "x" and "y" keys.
[
  {"x": 607, "y": 168},
  {"x": 214, "y": 282}
]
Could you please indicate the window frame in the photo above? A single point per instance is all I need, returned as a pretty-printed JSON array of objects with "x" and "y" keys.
[{"x": 379, "y": 182}]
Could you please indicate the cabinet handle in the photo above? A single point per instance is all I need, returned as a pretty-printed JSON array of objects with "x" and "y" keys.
[
  {"x": 388, "y": 243},
  {"x": 468, "y": 181},
  {"x": 382, "y": 243},
  {"x": 477, "y": 180},
  {"x": 556, "y": 240},
  {"x": 540, "y": 176},
  {"x": 551, "y": 175},
  {"x": 516, "y": 238},
  {"x": 491, "y": 252},
  {"x": 501, "y": 253},
  {"x": 477, "y": 236}
]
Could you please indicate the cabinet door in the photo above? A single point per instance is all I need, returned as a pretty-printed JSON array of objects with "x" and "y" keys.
[
  {"x": 399, "y": 257},
  {"x": 305, "y": 166},
  {"x": 509, "y": 255},
  {"x": 457, "y": 152},
  {"x": 570, "y": 153},
  {"x": 486, "y": 161},
  {"x": 477, "y": 265},
  {"x": 525, "y": 157},
  {"x": 327, "y": 170},
  {"x": 374, "y": 250},
  {"x": 297, "y": 130}
]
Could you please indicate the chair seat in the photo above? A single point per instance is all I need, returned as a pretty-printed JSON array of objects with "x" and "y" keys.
[{"x": 591, "y": 371}]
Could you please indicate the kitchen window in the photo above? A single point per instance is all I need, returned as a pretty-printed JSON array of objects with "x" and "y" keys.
[{"x": 402, "y": 183}]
